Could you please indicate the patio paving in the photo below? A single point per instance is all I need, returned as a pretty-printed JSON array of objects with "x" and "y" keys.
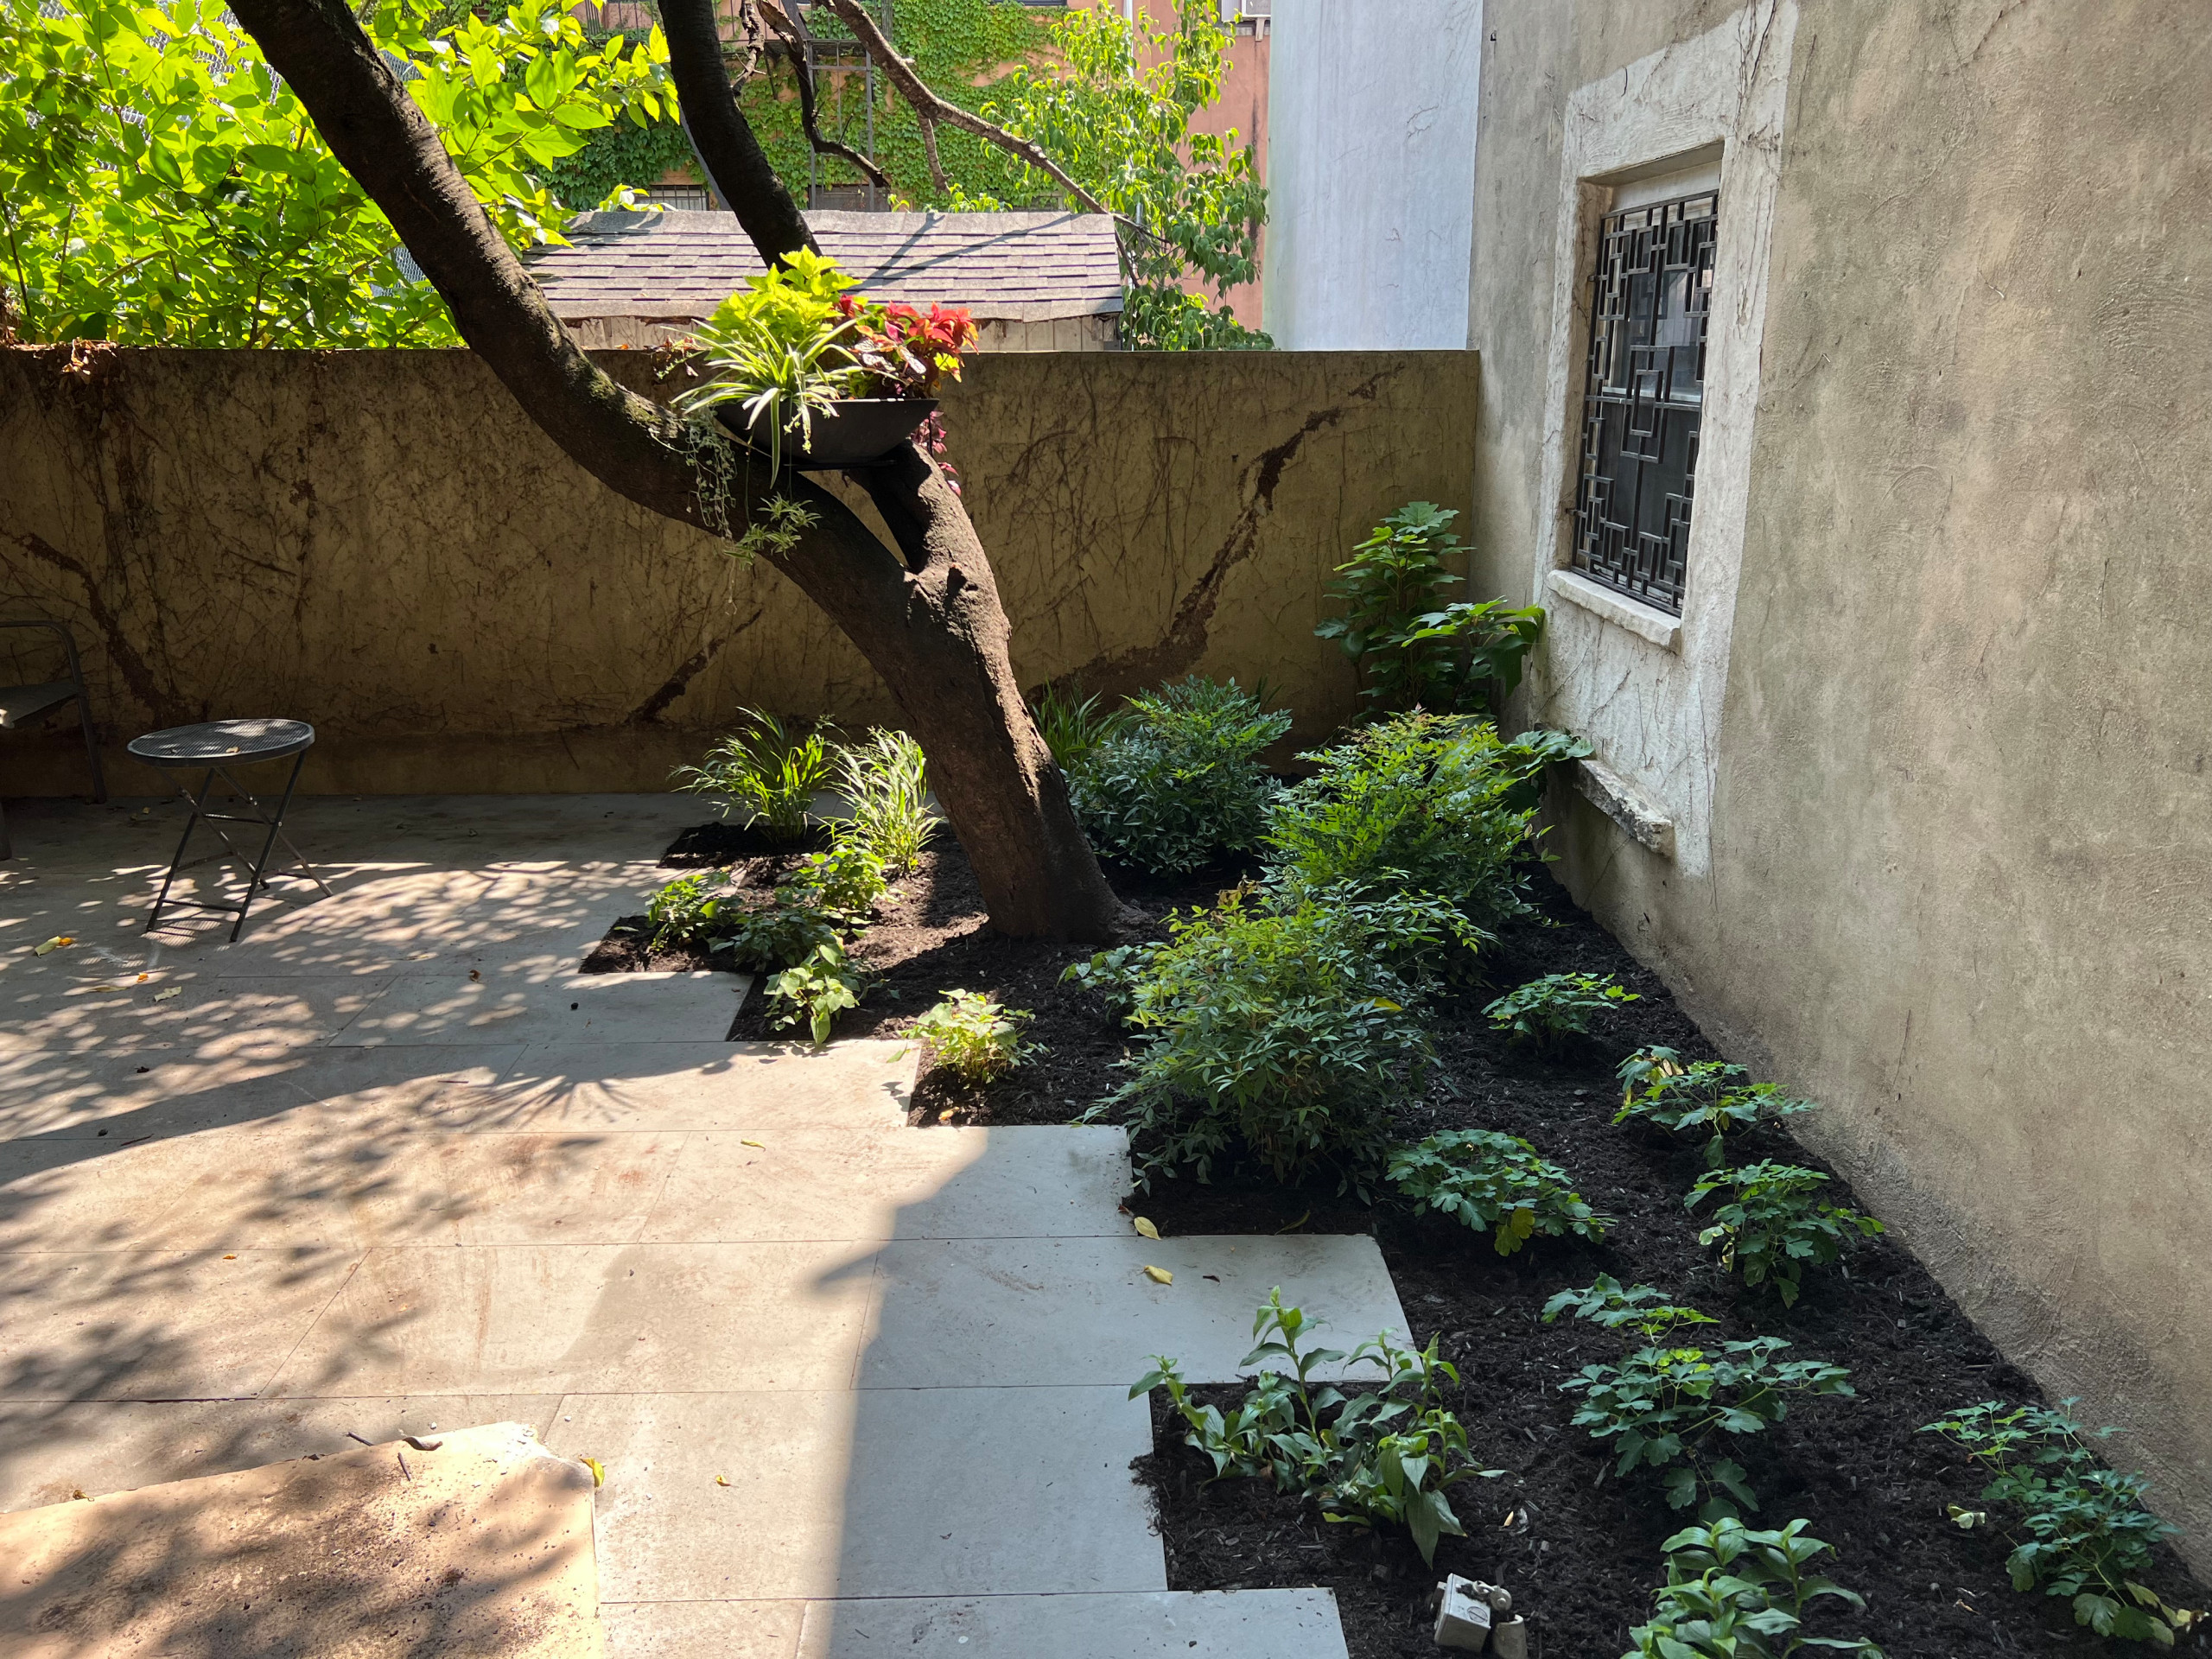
[{"x": 390, "y": 1162}]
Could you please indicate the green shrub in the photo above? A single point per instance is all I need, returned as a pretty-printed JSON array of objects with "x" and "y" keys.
[
  {"x": 1289, "y": 1027},
  {"x": 845, "y": 881},
  {"x": 1073, "y": 726},
  {"x": 2087, "y": 1534},
  {"x": 1733, "y": 1594},
  {"x": 1773, "y": 1225},
  {"x": 1487, "y": 1179},
  {"x": 1662, "y": 1403},
  {"x": 691, "y": 910},
  {"x": 1412, "y": 650},
  {"x": 1178, "y": 782},
  {"x": 1659, "y": 1089},
  {"x": 763, "y": 776},
  {"x": 1416, "y": 802},
  {"x": 1547, "y": 1011},
  {"x": 816, "y": 990},
  {"x": 974, "y": 1037},
  {"x": 886, "y": 782},
  {"x": 1388, "y": 1457},
  {"x": 781, "y": 933}
]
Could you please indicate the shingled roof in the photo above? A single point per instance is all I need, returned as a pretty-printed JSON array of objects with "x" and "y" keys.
[{"x": 679, "y": 264}]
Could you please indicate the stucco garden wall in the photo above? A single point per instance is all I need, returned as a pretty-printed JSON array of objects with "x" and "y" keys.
[
  {"x": 379, "y": 542},
  {"x": 1957, "y": 879}
]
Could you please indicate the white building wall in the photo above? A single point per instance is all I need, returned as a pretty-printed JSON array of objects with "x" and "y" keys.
[{"x": 1371, "y": 172}]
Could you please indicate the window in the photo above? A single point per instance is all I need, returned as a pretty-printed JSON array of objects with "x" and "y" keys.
[{"x": 1643, "y": 398}]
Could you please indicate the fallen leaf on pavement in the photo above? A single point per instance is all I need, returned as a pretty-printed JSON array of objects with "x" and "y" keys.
[
  {"x": 1145, "y": 1227},
  {"x": 1295, "y": 1225},
  {"x": 163, "y": 996},
  {"x": 721, "y": 1480},
  {"x": 598, "y": 1470},
  {"x": 53, "y": 943},
  {"x": 752, "y": 1143},
  {"x": 1159, "y": 1275}
]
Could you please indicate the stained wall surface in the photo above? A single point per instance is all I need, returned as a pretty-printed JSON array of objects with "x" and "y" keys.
[
  {"x": 380, "y": 543},
  {"x": 1960, "y": 850}
]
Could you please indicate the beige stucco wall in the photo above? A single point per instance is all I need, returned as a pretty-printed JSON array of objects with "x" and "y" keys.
[
  {"x": 1958, "y": 873},
  {"x": 381, "y": 543}
]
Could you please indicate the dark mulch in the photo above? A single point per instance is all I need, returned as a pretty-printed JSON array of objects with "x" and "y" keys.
[{"x": 1582, "y": 1547}]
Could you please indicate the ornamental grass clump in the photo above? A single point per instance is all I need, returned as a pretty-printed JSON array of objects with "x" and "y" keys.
[
  {"x": 1418, "y": 803},
  {"x": 1770, "y": 1223},
  {"x": 2082, "y": 1529},
  {"x": 1388, "y": 1457},
  {"x": 1286, "y": 1029},
  {"x": 885, "y": 781},
  {"x": 1497, "y": 1182},
  {"x": 764, "y": 776},
  {"x": 1176, "y": 780}
]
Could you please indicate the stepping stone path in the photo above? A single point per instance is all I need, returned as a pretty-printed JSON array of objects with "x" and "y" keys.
[{"x": 389, "y": 1163}]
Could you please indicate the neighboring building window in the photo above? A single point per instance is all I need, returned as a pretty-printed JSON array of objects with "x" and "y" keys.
[{"x": 1643, "y": 398}]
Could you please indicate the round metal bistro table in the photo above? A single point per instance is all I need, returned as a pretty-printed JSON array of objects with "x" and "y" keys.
[{"x": 214, "y": 747}]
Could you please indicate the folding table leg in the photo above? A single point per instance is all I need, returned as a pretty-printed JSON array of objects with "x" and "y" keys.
[
  {"x": 177, "y": 862},
  {"x": 276, "y": 828}
]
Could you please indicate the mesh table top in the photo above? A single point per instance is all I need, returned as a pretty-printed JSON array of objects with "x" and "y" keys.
[{"x": 223, "y": 742}]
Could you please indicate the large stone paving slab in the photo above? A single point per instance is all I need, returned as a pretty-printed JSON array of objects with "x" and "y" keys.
[
  {"x": 1159, "y": 1624},
  {"x": 745, "y": 1087},
  {"x": 477, "y": 1545},
  {"x": 572, "y": 1008}
]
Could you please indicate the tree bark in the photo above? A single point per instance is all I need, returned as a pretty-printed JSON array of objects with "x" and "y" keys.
[{"x": 930, "y": 622}]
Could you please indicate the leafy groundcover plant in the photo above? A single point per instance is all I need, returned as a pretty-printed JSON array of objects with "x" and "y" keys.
[
  {"x": 816, "y": 990},
  {"x": 1658, "y": 1087},
  {"x": 1662, "y": 1404},
  {"x": 1417, "y": 803},
  {"x": 1177, "y": 780},
  {"x": 1774, "y": 1224},
  {"x": 2087, "y": 1535},
  {"x": 1545, "y": 1012},
  {"x": 1385, "y": 1456},
  {"x": 1733, "y": 1594},
  {"x": 972, "y": 1037},
  {"x": 1285, "y": 1027},
  {"x": 1496, "y": 1181}
]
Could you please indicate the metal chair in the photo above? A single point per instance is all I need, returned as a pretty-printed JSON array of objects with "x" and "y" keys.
[{"x": 20, "y": 705}]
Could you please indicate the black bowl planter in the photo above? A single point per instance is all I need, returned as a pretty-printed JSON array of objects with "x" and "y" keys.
[{"x": 863, "y": 429}]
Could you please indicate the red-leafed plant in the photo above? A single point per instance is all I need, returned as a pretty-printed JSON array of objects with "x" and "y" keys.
[{"x": 908, "y": 354}]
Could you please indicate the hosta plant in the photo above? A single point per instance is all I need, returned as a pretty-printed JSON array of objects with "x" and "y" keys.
[
  {"x": 816, "y": 990},
  {"x": 1545, "y": 1012},
  {"x": 1658, "y": 1087},
  {"x": 1734, "y": 1593},
  {"x": 765, "y": 776},
  {"x": 1663, "y": 1405},
  {"x": 2082, "y": 1531},
  {"x": 1387, "y": 1455},
  {"x": 972, "y": 1037},
  {"x": 1495, "y": 1182},
  {"x": 1770, "y": 1223}
]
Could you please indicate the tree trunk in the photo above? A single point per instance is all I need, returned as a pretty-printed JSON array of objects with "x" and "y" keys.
[{"x": 930, "y": 624}]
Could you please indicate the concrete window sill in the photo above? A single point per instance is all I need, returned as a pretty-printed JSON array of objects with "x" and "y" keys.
[{"x": 1660, "y": 629}]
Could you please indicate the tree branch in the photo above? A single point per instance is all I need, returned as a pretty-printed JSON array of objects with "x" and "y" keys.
[
  {"x": 930, "y": 109},
  {"x": 735, "y": 161},
  {"x": 795, "y": 43}
]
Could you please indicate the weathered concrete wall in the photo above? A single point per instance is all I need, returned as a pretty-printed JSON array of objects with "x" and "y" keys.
[
  {"x": 1373, "y": 157},
  {"x": 1958, "y": 867},
  {"x": 379, "y": 542}
]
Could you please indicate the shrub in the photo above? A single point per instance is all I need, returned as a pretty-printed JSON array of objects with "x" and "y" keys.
[
  {"x": 764, "y": 776},
  {"x": 2089, "y": 1536},
  {"x": 1545, "y": 1012},
  {"x": 843, "y": 882},
  {"x": 1663, "y": 1402},
  {"x": 1178, "y": 781},
  {"x": 1072, "y": 727},
  {"x": 1388, "y": 1457},
  {"x": 1411, "y": 650},
  {"x": 781, "y": 933},
  {"x": 1416, "y": 802},
  {"x": 817, "y": 990},
  {"x": 972, "y": 1037},
  {"x": 1288, "y": 1026},
  {"x": 691, "y": 910},
  {"x": 886, "y": 780},
  {"x": 1773, "y": 1225},
  {"x": 1659, "y": 1089},
  {"x": 1488, "y": 1179},
  {"x": 1733, "y": 1594}
]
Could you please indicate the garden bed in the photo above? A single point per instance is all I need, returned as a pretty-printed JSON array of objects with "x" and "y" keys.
[{"x": 1579, "y": 1547}]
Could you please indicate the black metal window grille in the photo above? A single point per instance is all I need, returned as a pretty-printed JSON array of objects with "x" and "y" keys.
[{"x": 1643, "y": 398}]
